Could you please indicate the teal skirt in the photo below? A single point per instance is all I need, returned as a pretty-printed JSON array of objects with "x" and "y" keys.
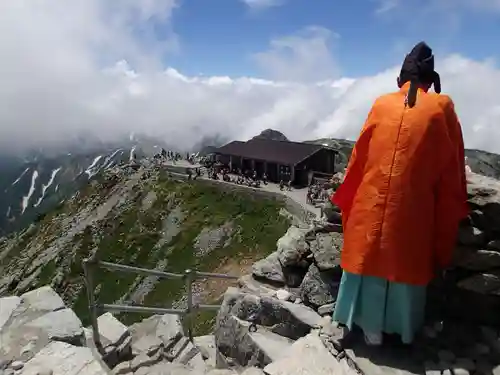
[{"x": 377, "y": 305}]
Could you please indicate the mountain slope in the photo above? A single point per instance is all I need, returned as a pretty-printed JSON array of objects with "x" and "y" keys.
[
  {"x": 33, "y": 184},
  {"x": 145, "y": 219}
]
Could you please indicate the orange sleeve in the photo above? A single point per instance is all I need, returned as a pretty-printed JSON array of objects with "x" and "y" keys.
[
  {"x": 344, "y": 196},
  {"x": 451, "y": 192}
]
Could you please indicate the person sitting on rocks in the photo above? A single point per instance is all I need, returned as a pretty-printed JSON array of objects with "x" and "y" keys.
[{"x": 402, "y": 199}]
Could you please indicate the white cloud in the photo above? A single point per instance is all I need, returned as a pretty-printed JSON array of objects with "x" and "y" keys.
[
  {"x": 68, "y": 67},
  {"x": 304, "y": 56},
  {"x": 263, "y": 4},
  {"x": 384, "y": 6}
]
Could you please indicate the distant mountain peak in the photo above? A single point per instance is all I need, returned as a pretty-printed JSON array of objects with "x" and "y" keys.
[{"x": 271, "y": 134}]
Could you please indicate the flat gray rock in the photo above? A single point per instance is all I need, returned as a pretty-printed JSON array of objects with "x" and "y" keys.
[
  {"x": 269, "y": 269},
  {"x": 248, "y": 284},
  {"x": 64, "y": 359},
  {"x": 483, "y": 283},
  {"x": 168, "y": 368},
  {"x": 7, "y": 307},
  {"x": 44, "y": 298},
  {"x": 251, "y": 348},
  {"x": 471, "y": 236},
  {"x": 292, "y": 247},
  {"x": 61, "y": 325},
  {"x": 111, "y": 329},
  {"x": 388, "y": 362},
  {"x": 157, "y": 329},
  {"x": 253, "y": 371},
  {"x": 145, "y": 344},
  {"x": 476, "y": 260},
  {"x": 320, "y": 288},
  {"x": 326, "y": 250},
  {"x": 281, "y": 317},
  {"x": 307, "y": 356},
  {"x": 206, "y": 345}
]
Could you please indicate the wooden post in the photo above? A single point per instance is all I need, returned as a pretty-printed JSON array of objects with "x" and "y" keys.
[
  {"x": 88, "y": 269},
  {"x": 189, "y": 291}
]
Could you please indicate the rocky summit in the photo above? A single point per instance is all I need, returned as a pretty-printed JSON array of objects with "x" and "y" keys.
[{"x": 275, "y": 320}]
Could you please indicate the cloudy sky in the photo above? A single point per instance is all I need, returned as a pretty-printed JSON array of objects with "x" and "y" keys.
[{"x": 183, "y": 69}]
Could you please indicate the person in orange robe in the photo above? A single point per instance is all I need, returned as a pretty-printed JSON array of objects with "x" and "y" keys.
[{"x": 402, "y": 199}]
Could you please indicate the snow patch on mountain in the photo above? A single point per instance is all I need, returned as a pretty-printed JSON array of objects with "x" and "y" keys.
[
  {"x": 132, "y": 153},
  {"x": 21, "y": 176},
  {"x": 90, "y": 170},
  {"x": 45, "y": 187},
  {"x": 109, "y": 160},
  {"x": 27, "y": 197}
]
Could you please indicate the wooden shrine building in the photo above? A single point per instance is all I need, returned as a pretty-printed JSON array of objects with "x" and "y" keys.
[{"x": 285, "y": 160}]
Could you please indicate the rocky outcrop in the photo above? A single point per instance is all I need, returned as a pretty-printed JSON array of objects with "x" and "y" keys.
[
  {"x": 38, "y": 333},
  {"x": 40, "y": 336},
  {"x": 471, "y": 287},
  {"x": 307, "y": 262}
]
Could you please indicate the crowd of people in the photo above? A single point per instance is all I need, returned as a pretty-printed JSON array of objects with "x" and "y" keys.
[
  {"x": 319, "y": 192},
  {"x": 174, "y": 156},
  {"x": 237, "y": 176}
]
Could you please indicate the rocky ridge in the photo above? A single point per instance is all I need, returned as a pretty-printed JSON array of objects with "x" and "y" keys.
[{"x": 136, "y": 214}]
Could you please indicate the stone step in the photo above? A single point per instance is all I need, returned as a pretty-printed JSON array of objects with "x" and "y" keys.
[{"x": 308, "y": 356}]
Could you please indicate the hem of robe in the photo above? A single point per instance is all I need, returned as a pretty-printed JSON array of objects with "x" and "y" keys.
[{"x": 377, "y": 305}]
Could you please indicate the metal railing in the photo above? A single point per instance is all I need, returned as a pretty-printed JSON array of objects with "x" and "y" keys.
[{"x": 91, "y": 264}]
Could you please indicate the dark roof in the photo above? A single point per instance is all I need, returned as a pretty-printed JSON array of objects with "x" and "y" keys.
[{"x": 282, "y": 152}]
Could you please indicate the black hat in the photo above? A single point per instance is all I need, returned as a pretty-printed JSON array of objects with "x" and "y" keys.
[{"x": 418, "y": 67}]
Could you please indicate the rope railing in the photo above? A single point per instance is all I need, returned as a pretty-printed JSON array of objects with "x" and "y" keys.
[{"x": 91, "y": 264}]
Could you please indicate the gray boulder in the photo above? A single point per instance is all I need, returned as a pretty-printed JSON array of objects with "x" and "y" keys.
[
  {"x": 42, "y": 299},
  {"x": 307, "y": 356},
  {"x": 111, "y": 330},
  {"x": 33, "y": 321},
  {"x": 476, "y": 260},
  {"x": 484, "y": 195},
  {"x": 249, "y": 285},
  {"x": 280, "y": 317},
  {"x": 326, "y": 250},
  {"x": 7, "y": 306},
  {"x": 471, "y": 236},
  {"x": 206, "y": 346},
  {"x": 154, "y": 332},
  {"x": 292, "y": 247},
  {"x": 320, "y": 288},
  {"x": 250, "y": 348},
  {"x": 63, "y": 358},
  {"x": 483, "y": 283},
  {"x": 269, "y": 269},
  {"x": 60, "y": 325}
]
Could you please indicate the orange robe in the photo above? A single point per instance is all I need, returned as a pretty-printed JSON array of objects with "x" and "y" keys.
[{"x": 405, "y": 191}]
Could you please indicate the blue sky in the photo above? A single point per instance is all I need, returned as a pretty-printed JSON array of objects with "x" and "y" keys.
[{"x": 219, "y": 37}]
